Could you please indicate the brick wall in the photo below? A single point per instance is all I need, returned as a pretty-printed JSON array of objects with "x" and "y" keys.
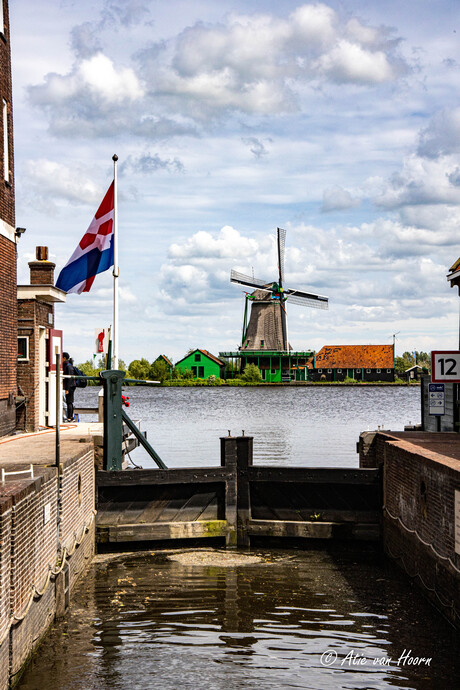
[
  {"x": 29, "y": 538},
  {"x": 78, "y": 497},
  {"x": 8, "y": 338},
  {"x": 419, "y": 517},
  {"x": 6, "y": 188},
  {"x": 5, "y": 571},
  {"x": 8, "y": 310},
  {"x": 5, "y": 563}
]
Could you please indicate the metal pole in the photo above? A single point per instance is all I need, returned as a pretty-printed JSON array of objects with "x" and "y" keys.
[
  {"x": 115, "y": 266},
  {"x": 58, "y": 411}
]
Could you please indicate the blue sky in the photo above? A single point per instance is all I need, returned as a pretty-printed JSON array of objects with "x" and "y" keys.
[{"x": 339, "y": 121}]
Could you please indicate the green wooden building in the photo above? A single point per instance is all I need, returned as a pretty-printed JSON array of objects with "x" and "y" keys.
[
  {"x": 203, "y": 364},
  {"x": 275, "y": 366}
]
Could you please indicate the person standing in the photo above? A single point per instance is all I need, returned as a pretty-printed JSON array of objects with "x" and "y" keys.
[{"x": 69, "y": 385}]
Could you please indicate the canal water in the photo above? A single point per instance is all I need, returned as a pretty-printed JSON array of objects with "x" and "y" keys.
[
  {"x": 321, "y": 619},
  {"x": 316, "y": 619},
  {"x": 316, "y": 426}
]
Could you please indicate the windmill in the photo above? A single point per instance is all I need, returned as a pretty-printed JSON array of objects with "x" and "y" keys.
[{"x": 267, "y": 326}]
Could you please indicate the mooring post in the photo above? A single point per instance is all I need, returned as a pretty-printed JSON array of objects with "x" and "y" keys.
[{"x": 236, "y": 455}]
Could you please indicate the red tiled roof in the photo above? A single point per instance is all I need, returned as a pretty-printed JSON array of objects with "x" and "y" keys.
[{"x": 355, "y": 356}]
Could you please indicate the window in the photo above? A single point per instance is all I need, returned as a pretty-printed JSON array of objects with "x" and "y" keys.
[
  {"x": 6, "y": 153},
  {"x": 368, "y": 371},
  {"x": 194, "y": 371},
  {"x": 329, "y": 371},
  {"x": 23, "y": 348},
  {"x": 200, "y": 372},
  {"x": 320, "y": 371},
  {"x": 339, "y": 371},
  {"x": 273, "y": 371},
  {"x": 379, "y": 371},
  {"x": 2, "y": 18},
  {"x": 262, "y": 343},
  {"x": 197, "y": 358},
  {"x": 388, "y": 371}
]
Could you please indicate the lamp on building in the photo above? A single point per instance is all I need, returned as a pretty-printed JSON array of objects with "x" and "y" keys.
[{"x": 19, "y": 232}]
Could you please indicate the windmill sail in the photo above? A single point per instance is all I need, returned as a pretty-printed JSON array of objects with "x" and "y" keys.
[
  {"x": 307, "y": 299},
  {"x": 281, "y": 237}
]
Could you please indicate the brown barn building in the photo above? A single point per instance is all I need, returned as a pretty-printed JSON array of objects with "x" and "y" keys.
[
  {"x": 358, "y": 362},
  {"x": 8, "y": 238}
]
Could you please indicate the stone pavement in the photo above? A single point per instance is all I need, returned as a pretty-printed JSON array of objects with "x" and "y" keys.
[
  {"x": 38, "y": 448},
  {"x": 443, "y": 443}
]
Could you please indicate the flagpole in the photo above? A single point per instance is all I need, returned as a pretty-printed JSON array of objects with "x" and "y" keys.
[{"x": 115, "y": 267}]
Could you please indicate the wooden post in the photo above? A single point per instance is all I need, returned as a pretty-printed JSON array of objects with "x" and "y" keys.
[
  {"x": 237, "y": 455},
  {"x": 228, "y": 459}
]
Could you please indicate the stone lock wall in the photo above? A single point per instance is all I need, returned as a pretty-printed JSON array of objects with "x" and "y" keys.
[
  {"x": 41, "y": 556},
  {"x": 419, "y": 522},
  {"x": 419, "y": 488}
]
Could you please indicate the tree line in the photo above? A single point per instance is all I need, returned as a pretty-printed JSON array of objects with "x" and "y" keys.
[
  {"x": 158, "y": 370},
  {"x": 143, "y": 370},
  {"x": 410, "y": 359}
]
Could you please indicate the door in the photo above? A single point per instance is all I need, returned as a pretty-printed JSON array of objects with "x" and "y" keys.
[{"x": 42, "y": 376}]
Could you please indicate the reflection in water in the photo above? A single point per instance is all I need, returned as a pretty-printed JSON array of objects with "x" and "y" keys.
[
  {"x": 304, "y": 426},
  {"x": 145, "y": 622}
]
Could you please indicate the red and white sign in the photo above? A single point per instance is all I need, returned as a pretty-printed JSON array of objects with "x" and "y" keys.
[
  {"x": 54, "y": 348},
  {"x": 445, "y": 366},
  {"x": 101, "y": 340}
]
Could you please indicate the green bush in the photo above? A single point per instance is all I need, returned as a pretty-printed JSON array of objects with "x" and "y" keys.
[
  {"x": 179, "y": 374},
  {"x": 251, "y": 373},
  {"x": 159, "y": 371},
  {"x": 139, "y": 369}
]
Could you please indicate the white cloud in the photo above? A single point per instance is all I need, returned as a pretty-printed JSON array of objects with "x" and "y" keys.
[
  {"x": 57, "y": 182},
  {"x": 442, "y": 136},
  {"x": 94, "y": 99},
  {"x": 338, "y": 199},
  {"x": 96, "y": 79},
  {"x": 146, "y": 163},
  {"x": 256, "y": 64},
  {"x": 350, "y": 63},
  {"x": 228, "y": 244}
]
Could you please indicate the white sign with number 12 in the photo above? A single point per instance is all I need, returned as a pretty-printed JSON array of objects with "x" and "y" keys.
[{"x": 445, "y": 366}]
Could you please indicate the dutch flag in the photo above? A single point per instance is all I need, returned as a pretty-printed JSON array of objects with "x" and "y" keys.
[{"x": 95, "y": 252}]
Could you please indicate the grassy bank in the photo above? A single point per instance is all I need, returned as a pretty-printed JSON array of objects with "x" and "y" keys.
[{"x": 238, "y": 382}]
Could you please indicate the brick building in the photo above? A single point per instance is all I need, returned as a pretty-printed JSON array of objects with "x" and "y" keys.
[
  {"x": 36, "y": 339},
  {"x": 8, "y": 237}
]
